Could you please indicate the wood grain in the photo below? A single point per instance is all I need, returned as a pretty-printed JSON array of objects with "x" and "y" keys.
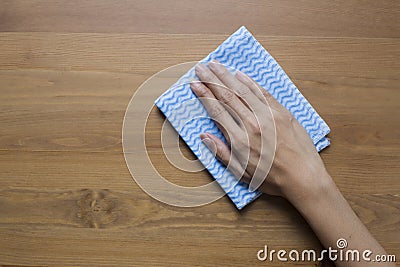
[
  {"x": 344, "y": 18},
  {"x": 339, "y": 58},
  {"x": 118, "y": 227},
  {"x": 68, "y": 70}
]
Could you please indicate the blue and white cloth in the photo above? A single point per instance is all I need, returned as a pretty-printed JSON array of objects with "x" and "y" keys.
[{"x": 241, "y": 51}]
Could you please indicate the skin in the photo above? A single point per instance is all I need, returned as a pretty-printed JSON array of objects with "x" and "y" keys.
[{"x": 271, "y": 151}]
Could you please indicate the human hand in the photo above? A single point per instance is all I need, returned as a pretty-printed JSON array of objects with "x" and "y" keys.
[{"x": 267, "y": 146}]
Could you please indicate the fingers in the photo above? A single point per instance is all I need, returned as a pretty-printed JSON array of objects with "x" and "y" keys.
[
  {"x": 233, "y": 83},
  {"x": 249, "y": 101},
  {"x": 215, "y": 109},
  {"x": 223, "y": 91},
  {"x": 258, "y": 91},
  {"x": 223, "y": 154}
]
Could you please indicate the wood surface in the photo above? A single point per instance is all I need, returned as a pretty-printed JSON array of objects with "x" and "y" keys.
[{"x": 68, "y": 70}]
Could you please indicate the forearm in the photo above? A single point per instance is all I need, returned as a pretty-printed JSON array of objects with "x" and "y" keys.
[{"x": 332, "y": 218}]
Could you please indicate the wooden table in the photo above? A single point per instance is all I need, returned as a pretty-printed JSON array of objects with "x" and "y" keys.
[{"x": 68, "y": 70}]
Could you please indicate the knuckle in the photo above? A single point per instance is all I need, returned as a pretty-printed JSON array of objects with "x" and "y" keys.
[
  {"x": 202, "y": 90},
  {"x": 223, "y": 74},
  {"x": 220, "y": 153},
  {"x": 285, "y": 117},
  {"x": 269, "y": 97},
  {"x": 243, "y": 91},
  {"x": 291, "y": 118},
  {"x": 216, "y": 111},
  {"x": 227, "y": 97},
  {"x": 256, "y": 130},
  {"x": 254, "y": 127}
]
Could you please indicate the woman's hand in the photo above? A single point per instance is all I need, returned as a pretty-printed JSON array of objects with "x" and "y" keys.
[
  {"x": 282, "y": 162},
  {"x": 268, "y": 148}
]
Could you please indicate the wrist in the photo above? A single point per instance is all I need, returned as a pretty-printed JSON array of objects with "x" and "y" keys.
[{"x": 310, "y": 191}]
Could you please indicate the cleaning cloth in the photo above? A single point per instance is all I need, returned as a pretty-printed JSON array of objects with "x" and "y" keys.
[{"x": 241, "y": 51}]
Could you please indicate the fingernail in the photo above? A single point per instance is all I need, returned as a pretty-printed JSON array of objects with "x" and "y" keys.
[
  {"x": 251, "y": 186},
  {"x": 200, "y": 68},
  {"x": 241, "y": 75},
  {"x": 215, "y": 62},
  {"x": 205, "y": 135},
  {"x": 195, "y": 84},
  {"x": 254, "y": 184},
  {"x": 197, "y": 88},
  {"x": 209, "y": 143},
  {"x": 215, "y": 66}
]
